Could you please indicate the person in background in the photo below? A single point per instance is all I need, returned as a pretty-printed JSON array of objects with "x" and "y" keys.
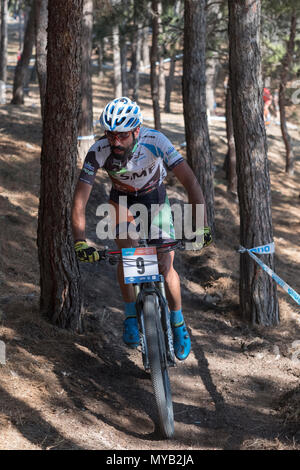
[{"x": 267, "y": 97}]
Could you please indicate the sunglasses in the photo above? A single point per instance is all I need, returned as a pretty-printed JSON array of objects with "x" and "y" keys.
[{"x": 117, "y": 135}]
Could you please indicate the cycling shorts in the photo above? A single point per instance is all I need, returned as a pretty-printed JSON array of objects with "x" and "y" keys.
[{"x": 148, "y": 215}]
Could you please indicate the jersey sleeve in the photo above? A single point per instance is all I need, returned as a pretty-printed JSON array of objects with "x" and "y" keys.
[
  {"x": 89, "y": 169},
  {"x": 170, "y": 155}
]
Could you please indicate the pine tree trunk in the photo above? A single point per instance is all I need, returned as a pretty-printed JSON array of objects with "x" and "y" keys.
[
  {"x": 100, "y": 59},
  {"x": 153, "y": 60},
  {"x": 170, "y": 78},
  {"x": 170, "y": 84},
  {"x": 85, "y": 122},
  {"x": 123, "y": 57},
  {"x": 41, "y": 23},
  {"x": 136, "y": 54},
  {"x": 123, "y": 34},
  {"x": 161, "y": 82},
  {"x": 145, "y": 48},
  {"x": 161, "y": 67},
  {"x": 23, "y": 64},
  {"x": 21, "y": 27},
  {"x": 212, "y": 63},
  {"x": 117, "y": 63},
  {"x": 3, "y": 50},
  {"x": 3, "y": 41},
  {"x": 231, "y": 165},
  {"x": 212, "y": 68},
  {"x": 286, "y": 65},
  {"x": 61, "y": 295},
  {"x": 194, "y": 101},
  {"x": 258, "y": 294}
]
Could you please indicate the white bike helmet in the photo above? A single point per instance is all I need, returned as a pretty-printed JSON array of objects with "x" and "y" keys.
[{"x": 121, "y": 115}]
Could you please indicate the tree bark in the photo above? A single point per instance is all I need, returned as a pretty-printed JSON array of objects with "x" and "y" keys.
[
  {"x": 212, "y": 68},
  {"x": 136, "y": 56},
  {"x": 286, "y": 65},
  {"x": 41, "y": 23},
  {"x": 161, "y": 66},
  {"x": 61, "y": 295},
  {"x": 124, "y": 77},
  {"x": 21, "y": 70},
  {"x": 212, "y": 63},
  {"x": 161, "y": 82},
  {"x": 117, "y": 63},
  {"x": 194, "y": 101},
  {"x": 231, "y": 162},
  {"x": 170, "y": 78},
  {"x": 100, "y": 58},
  {"x": 170, "y": 84},
  {"x": 145, "y": 48},
  {"x": 85, "y": 123},
  {"x": 21, "y": 26},
  {"x": 258, "y": 294},
  {"x": 3, "y": 50},
  {"x": 153, "y": 60}
]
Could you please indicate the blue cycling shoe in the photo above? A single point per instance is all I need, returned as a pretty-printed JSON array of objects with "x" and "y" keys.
[
  {"x": 131, "y": 336},
  {"x": 182, "y": 341}
]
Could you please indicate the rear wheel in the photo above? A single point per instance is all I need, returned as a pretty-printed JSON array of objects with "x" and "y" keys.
[{"x": 158, "y": 365}]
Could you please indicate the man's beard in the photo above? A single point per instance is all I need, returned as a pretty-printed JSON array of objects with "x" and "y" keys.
[{"x": 125, "y": 155}]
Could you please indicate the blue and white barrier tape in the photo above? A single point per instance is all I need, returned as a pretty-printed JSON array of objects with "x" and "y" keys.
[
  {"x": 266, "y": 250},
  {"x": 85, "y": 137}
]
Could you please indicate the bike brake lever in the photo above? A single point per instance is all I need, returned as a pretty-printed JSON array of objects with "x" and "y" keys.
[
  {"x": 182, "y": 245},
  {"x": 102, "y": 254}
]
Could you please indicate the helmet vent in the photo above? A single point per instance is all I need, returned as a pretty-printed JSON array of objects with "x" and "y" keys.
[{"x": 121, "y": 115}]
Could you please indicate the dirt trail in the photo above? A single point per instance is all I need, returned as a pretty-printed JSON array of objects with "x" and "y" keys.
[{"x": 61, "y": 390}]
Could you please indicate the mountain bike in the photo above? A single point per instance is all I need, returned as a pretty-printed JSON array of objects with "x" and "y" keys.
[{"x": 141, "y": 269}]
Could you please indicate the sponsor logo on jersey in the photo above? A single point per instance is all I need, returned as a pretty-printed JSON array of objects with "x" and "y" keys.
[
  {"x": 88, "y": 172},
  {"x": 142, "y": 174},
  {"x": 170, "y": 151},
  {"x": 88, "y": 166}
]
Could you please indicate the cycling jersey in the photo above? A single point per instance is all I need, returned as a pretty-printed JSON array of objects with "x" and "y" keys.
[{"x": 144, "y": 170}]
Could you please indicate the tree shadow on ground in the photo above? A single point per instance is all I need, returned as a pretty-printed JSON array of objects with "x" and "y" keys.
[
  {"x": 21, "y": 124},
  {"x": 30, "y": 424},
  {"x": 96, "y": 374},
  {"x": 232, "y": 425}
]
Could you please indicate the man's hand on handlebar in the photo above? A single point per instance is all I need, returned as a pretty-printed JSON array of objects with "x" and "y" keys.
[
  {"x": 85, "y": 252},
  {"x": 203, "y": 238},
  {"x": 207, "y": 236}
]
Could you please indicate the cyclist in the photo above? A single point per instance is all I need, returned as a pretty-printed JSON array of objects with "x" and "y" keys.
[{"x": 136, "y": 159}]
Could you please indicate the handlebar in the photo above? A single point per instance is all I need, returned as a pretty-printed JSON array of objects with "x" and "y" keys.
[{"x": 114, "y": 255}]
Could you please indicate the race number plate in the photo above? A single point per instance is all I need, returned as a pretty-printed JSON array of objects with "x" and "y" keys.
[{"x": 140, "y": 265}]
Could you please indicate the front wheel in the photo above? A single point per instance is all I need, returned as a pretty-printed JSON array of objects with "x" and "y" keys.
[{"x": 158, "y": 365}]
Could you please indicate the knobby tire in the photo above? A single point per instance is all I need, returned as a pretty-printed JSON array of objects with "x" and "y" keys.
[{"x": 158, "y": 365}]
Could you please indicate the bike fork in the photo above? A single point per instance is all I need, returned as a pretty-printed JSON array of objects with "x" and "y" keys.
[
  {"x": 166, "y": 323},
  {"x": 140, "y": 316}
]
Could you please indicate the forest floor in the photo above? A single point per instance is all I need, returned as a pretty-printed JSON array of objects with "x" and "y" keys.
[{"x": 238, "y": 389}]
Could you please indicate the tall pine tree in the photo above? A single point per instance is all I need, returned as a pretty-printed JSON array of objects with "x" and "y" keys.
[
  {"x": 194, "y": 100},
  {"x": 258, "y": 294},
  {"x": 59, "y": 273}
]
